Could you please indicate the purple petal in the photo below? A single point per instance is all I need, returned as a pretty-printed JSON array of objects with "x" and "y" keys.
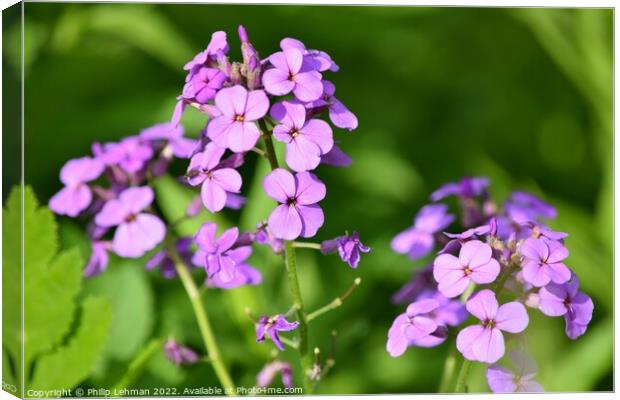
[
  {"x": 341, "y": 116},
  {"x": 81, "y": 170},
  {"x": 213, "y": 196},
  {"x": 243, "y": 136},
  {"x": 422, "y": 307},
  {"x": 205, "y": 237},
  {"x": 466, "y": 338},
  {"x": 501, "y": 379},
  {"x": 256, "y": 106},
  {"x": 133, "y": 239},
  {"x": 231, "y": 101},
  {"x": 136, "y": 199},
  {"x": 419, "y": 327},
  {"x": 280, "y": 185},
  {"x": 489, "y": 346},
  {"x": 309, "y": 189},
  {"x": 336, "y": 158},
  {"x": 285, "y": 222},
  {"x": 308, "y": 86},
  {"x": 302, "y": 155},
  {"x": 512, "y": 317},
  {"x": 113, "y": 213},
  {"x": 483, "y": 305},
  {"x": 320, "y": 133},
  {"x": 551, "y": 300},
  {"x": 312, "y": 219},
  {"x": 485, "y": 273},
  {"x": 228, "y": 179},
  {"x": 71, "y": 201},
  {"x": 227, "y": 239},
  {"x": 277, "y": 83},
  {"x": 475, "y": 254}
]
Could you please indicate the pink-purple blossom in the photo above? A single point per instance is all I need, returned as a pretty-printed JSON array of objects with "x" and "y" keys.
[
  {"x": 235, "y": 128},
  {"x": 566, "y": 300},
  {"x": 298, "y": 213},
  {"x": 467, "y": 187},
  {"x": 266, "y": 375},
  {"x": 271, "y": 327},
  {"x": 290, "y": 73},
  {"x": 348, "y": 247},
  {"x": 179, "y": 354},
  {"x": 244, "y": 275},
  {"x": 76, "y": 195},
  {"x": 131, "y": 154},
  {"x": 542, "y": 261},
  {"x": 339, "y": 114},
  {"x": 523, "y": 206},
  {"x": 520, "y": 379},
  {"x": 484, "y": 342},
  {"x": 217, "y": 254},
  {"x": 414, "y": 324},
  {"x": 419, "y": 240},
  {"x": 206, "y": 169},
  {"x": 99, "y": 258},
  {"x": 136, "y": 231},
  {"x": 306, "y": 139},
  {"x": 475, "y": 263}
]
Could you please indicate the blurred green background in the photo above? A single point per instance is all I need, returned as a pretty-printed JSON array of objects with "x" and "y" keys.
[{"x": 523, "y": 96}]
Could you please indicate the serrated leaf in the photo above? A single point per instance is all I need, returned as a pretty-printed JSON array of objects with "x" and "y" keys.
[
  {"x": 127, "y": 285},
  {"x": 71, "y": 364},
  {"x": 11, "y": 275},
  {"x": 50, "y": 303}
]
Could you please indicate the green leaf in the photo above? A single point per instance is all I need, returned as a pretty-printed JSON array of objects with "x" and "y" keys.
[
  {"x": 7, "y": 371},
  {"x": 127, "y": 285},
  {"x": 71, "y": 364},
  {"x": 11, "y": 276},
  {"x": 590, "y": 357}
]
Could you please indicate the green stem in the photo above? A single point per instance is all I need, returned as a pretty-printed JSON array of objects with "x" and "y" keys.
[
  {"x": 461, "y": 380},
  {"x": 448, "y": 371},
  {"x": 137, "y": 366},
  {"x": 290, "y": 262},
  {"x": 307, "y": 245},
  {"x": 337, "y": 302},
  {"x": 203, "y": 324},
  {"x": 270, "y": 151}
]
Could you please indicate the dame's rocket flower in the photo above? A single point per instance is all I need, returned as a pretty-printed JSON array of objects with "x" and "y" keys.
[
  {"x": 244, "y": 273},
  {"x": 467, "y": 187},
  {"x": 203, "y": 85},
  {"x": 504, "y": 380},
  {"x": 419, "y": 240},
  {"x": 347, "y": 246},
  {"x": 180, "y": 146},
  {"x": 485, "y": 342},
  {"x": 131, "y": 154},
  {"x": 206, "y": 169},
  {"x": 291, "y": 73},
  {"x": 271, "y": 327},
  {"x": 415, "y": 324},
  {"x": 306, "y": 139},
  {"x": 542, "y": 261},
  {"x": 179, "y": 354},
  {"x": 339, "y": 114},
  {"x": 76, "y": 196},
  {"x": 566, "y": 300},
  {"x": 266, "y": 376},
  {"x": 165, "y": 261},
  {"x": 321, "y": 60},
  {"x": 99, "y": 258},
  {"x": 336, "y": 157},
  {"x": 298, "y": 213},
  {"x": 235, "y": 128},
  {"x": 523, "y": 206},
  {"x": 137, "y": 232},
  {"x": 217, "y": 255},
  {"x": 217, "y": 45}
]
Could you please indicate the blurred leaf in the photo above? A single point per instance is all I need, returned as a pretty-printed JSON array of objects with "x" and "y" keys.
[
  {"x": 165, "y": 371},
  {"x": 71, "y": 364},
  {"x": 7, "y": 371},
  {"x": 127, "y": 285},
  {"x": 138, "y": 364},
  {"x": 173, "y": 199},
  {"x": 590, "y": 357},
  {"x": 34, "y": 39},
  {"x": 370, "y": 172}
]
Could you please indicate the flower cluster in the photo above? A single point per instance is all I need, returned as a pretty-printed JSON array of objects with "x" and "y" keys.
[
  {"x": 505, "y": 251},
  {"x": 281, "y": 97}
]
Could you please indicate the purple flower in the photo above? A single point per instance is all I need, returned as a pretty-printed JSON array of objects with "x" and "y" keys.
[
  {"x": 271, "y": 327},
  {"x": 165, "y": 262},
  {"x": 306, "y": 140},
  {"x": 348, "y": 247},
  {"x": 420, "y": 281},
  {"x": 419, "y": 240},
  {"x": 244, "y": 273},
  {"x": 321, "y": 60},
  {"x": 217, "y": 256},
  {"x": 450, "y": 312},
  {"x": 457, "y": 239},
  {"x": 336, "y": 157},
  {"x": 203, "y": 85},
  {"x": 99, "y": 258},
  {"x": 467, "y": 187},
  {"x": 576, "y": 307},
  {"x": 235, "y": 127},
  {"x": 217, "y": 45},
  {"x": 206, "y": 169},
  {"x": 534, "y": 229},
  {"x": 76, "y": 196},
  {"x": 485, "y": 342},
  {"x": 179, "y": 354},
  {"x": 542, "y": 261},
  {"x": 180, "y": 146},
  {"x": 269, "y": 372},
  {"x": 522, "y": 206},
  {"x": 136, "y": 232},
  {"x": 503, "y": 380},
  {"x": 131, "y": 154},
  {"x": 474, "y": 264},
  {"x": 415, "y": 324},
  {"x": 291, "y": 73},
  {"x": 339, "y": 114},
  {"x": 298, "y": 214},
  {"x": 264, "y": 236}
]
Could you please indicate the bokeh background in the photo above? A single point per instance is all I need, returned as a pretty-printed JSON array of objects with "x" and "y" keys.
[{"x": 523, "y": 96}]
